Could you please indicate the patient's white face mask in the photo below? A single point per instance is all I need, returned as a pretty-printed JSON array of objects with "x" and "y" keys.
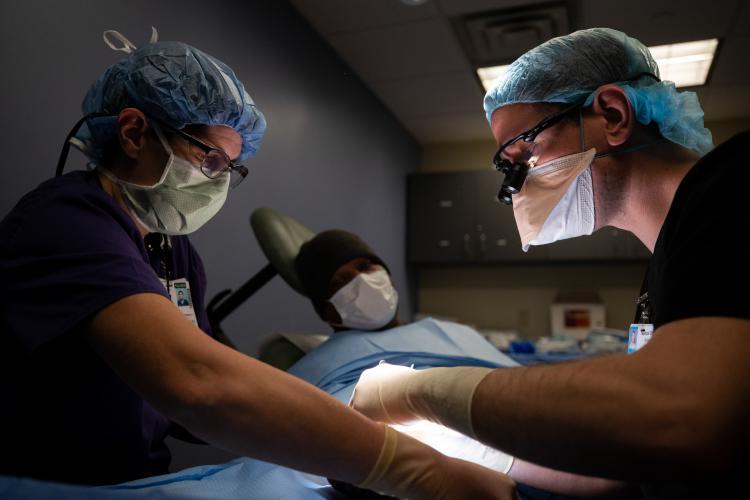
[
  {"x": 367, "y": 302},
  {"x": 556, "y": 201}
]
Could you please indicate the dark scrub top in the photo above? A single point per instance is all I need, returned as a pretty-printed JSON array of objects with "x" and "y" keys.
[
  {"x": 701, "y": 264},
  {"x": 67, "y": 250}
]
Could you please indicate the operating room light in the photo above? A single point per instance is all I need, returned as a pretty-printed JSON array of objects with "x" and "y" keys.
[
  {"x": 491, "y": 73},
  {"x": 686, "y": 64}
]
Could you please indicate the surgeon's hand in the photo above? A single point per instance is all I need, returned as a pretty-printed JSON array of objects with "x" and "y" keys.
[
  {"x": 398, "y": 394},
  {"x": 472, "y": 481},
  {"x": 412, "y": 470},
  {"x": 382, "y": 394}
]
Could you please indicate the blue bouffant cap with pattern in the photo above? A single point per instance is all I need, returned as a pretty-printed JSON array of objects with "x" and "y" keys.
[{"x": 174, "y": 82}]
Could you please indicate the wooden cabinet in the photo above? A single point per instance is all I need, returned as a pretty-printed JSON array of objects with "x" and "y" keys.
[{"x": 455, "y": 218}]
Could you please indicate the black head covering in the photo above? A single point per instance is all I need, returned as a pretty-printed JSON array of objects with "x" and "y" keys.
[{"x": 319, "y": 258}]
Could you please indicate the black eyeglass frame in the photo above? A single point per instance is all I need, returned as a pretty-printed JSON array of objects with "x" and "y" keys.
[
  {"x": 515, "y": 173},
  {"x": 240, "y": 170},
  {"x": 531, "y": 134},
  {"x": 232, "y": 167}
]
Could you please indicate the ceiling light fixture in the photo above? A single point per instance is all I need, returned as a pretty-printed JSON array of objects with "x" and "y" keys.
[
  {"x": 686, "y": 64},
  {"x": 489, "y": 74}
]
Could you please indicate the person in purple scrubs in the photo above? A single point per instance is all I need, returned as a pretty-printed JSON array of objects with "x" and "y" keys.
[{"x": 99, "y": 364}]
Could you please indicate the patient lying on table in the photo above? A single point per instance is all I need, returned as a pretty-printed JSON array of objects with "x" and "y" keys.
[{"x": 351, "y": 290}]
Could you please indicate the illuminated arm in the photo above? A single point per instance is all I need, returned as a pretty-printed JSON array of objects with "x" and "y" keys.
[
  {"x": 243, "y": 405},
  {"x": 680, "y": 399}
]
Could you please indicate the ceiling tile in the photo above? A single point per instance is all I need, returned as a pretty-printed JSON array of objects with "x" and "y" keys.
[
  {"x": 656, "y": 23},
  {"x": 742, "y": 20},
  {"x": 421, "y": 48},
  {"x": 449, "y": 127},
  {"x": 415, "y": 97},
  {"x": 334, "y": 16},
  {"x": 730, "y": 66},
  {"x": 728, "y": 101},
  {"x": 459, "y": 7},
  {"x": 703, "y": 94}
]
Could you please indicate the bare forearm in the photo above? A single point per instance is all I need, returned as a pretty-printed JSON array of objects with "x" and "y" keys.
[
  {"x": 566, "y": 416},
  {"x": 666, "y": 408},
  {"x": 265, "y": 413},
  {"x": 566, "y": 483},
  {"x": 227, "y": 398}
]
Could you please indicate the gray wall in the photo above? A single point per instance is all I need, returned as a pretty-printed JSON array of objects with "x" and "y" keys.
[{"x": 332, "y": 156}]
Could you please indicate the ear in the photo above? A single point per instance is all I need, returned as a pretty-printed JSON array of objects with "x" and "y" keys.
[
  {"x": 131, "y": 131},
  {"x": 613, "y": 110}
]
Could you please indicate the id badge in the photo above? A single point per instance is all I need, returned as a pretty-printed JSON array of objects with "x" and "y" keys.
[
  {"x": 638, "y": 335},
  {"x": 179, "y": 293}
]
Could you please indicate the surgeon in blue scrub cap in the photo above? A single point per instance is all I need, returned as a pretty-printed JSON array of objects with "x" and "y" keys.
[
  {"x": 562, "y": 84},
  {"x": 589, "y": 136},
  {"x": 102, "y": 355},
  {"x": 177, "y": 90}
]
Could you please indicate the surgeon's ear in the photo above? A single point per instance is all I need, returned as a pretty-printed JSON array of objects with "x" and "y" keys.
[
  {"x": 612, "y": 108},
  {"x": 132, "y": 128}
]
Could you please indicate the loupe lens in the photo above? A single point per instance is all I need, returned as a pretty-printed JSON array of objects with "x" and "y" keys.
[
  {"x": 515, "y": 177},
  {"x": 504, "y": 196},
  {"x": 503, "y": 166}
]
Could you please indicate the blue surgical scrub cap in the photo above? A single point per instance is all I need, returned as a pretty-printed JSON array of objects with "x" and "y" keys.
[
  {"x": 174, "y": 82},
  {"x": 570, "y": 68}
]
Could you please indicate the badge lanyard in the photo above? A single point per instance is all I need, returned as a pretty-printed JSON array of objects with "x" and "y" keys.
[
  {"x": 163, "y": 249},
  {"x": 178, "y": 289},
  {"x": 640, "y": 333}
]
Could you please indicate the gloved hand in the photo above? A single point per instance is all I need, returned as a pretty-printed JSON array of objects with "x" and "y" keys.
[
  {"x": 398, "y": 394},
  {"x": 381, "y": 394},
  {"x": 411, "y": 470}
]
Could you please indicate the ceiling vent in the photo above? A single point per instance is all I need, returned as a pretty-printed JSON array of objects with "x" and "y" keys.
[{"x": 499, "y": 37}]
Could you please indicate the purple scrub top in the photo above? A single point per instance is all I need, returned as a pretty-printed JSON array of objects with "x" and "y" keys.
[{"x": 67, "y": 250}]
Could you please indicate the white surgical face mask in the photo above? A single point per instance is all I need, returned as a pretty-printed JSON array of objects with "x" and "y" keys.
[
  {"x": 556, "y": 201},
  {"x": 367, "y": 302},
  {"x": 181, "y": 202}
]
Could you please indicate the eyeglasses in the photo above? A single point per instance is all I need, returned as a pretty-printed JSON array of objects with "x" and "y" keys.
[
  {"x": 215, "y": 161},
  {"x": 515, "y": 173}
]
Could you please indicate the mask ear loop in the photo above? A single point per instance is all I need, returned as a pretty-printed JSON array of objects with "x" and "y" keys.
[
  {"x": 160, "y": 135},
  {"x": 69, "y": 140},
  {"x": 580, "y": 129},
  {"x": 127, "y": 45},
  {"x": 167, "y": 148}
]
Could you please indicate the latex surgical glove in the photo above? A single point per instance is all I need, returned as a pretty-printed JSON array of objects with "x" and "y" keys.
[
  {"x": 409, "y": 469},
  {"x": 398, "y": 394},
  {"x": 381, "y": 394}
]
